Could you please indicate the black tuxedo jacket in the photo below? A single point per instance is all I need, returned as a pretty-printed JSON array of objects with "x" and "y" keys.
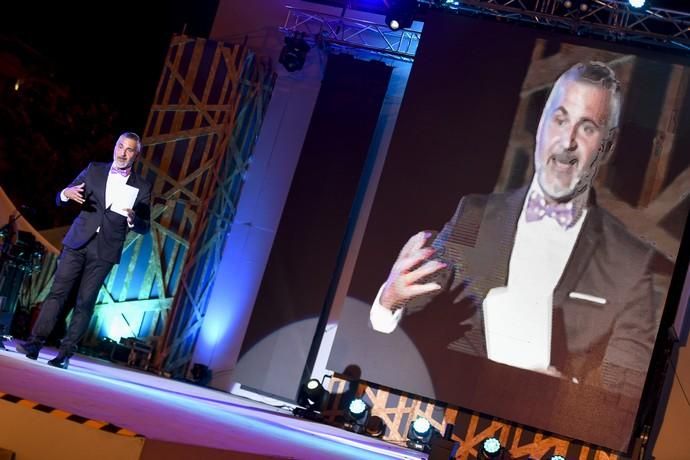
[
  {"x": 112, "y": 227},
  {"x": 607, "y": 345}
]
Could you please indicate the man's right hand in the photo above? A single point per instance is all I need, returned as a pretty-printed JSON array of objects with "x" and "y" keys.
[
  {"x": 75, "y": 193},
  {"x": 411, "y": 265}
]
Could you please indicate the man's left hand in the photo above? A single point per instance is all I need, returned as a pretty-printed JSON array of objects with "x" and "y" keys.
[{"x": 130, "y": 216}]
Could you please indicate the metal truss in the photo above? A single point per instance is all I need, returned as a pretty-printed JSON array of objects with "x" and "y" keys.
[
  {"x": 613, "y": 20},
  {"x": 608, "y": 19},
  {"x": 339, "y": 31}
]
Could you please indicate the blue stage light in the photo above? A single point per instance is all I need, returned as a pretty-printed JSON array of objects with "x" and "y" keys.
[
  {"x": 357, "y": 408},
  {"x": 421, "y": 426},
  {"x": 637, "y": 3},
  {"x": 419, "y": 434},
  {"x": 356, "y": 415},
  {"x": 491, "y": 448}
]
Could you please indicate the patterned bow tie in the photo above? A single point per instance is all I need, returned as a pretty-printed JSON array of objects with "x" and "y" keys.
[
  {"x": 537, "y": 208},
  {"x": 123, "y": 172}
]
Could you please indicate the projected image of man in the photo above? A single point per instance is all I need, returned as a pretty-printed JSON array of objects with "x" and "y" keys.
[{"x": 557, "y": 284}]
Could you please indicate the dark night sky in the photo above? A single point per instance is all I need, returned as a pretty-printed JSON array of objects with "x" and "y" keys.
[
  {"x": 106, "y": 57},
  {"x": 113, "y": 51},
  {"x": 110, "y": 51}
]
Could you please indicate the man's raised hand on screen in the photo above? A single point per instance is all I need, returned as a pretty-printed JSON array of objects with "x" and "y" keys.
[
  {"x": 410, "y": 267},
  {"x": 75, "y": 193}
]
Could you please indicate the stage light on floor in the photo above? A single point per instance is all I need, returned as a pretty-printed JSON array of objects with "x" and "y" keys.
[
  {"x": 312, "y": 398},
  {"x": 491, "y": 448},
  {"x": 375, "y": 427},
  {"x": 636, "y": 3},
  {"x": 201, "y": 374},
  {"x": 312, "y": 395},
  {"x": 419, "y": 434},
  {"x": 356, "y": 415},
  {"x": 294, "y": 53},
  {"x": 401, "y": 14},
  {"x": 557, "y": 457}
]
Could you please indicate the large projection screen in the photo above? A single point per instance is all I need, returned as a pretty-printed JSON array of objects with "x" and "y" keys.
[{"x": 468, "y": 128}]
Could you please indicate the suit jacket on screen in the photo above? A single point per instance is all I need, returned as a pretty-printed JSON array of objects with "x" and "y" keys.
[
  {"x": 112, "y": 227},
  {"x": 607, "y": 345}
]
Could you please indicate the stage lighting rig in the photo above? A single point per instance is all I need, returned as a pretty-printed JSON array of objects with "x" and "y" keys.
[
  {"x": 491, "y": 449},
  {"x": 312, "y": 398},
  {"x": 401, "y": 14},
  {"x": 419, "y": 434},
  {"x": 581, "y": 5},
  {"x": 356, "y": 416},
  {"x": 294, "y": 53},
  {"x": 375, "y": 427}
]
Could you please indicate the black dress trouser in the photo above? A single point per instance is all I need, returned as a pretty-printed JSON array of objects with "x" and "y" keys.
[{"x": 76, "y": 267}]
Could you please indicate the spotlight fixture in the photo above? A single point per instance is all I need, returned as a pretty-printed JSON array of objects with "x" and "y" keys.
[
  {"x": 636, "y": 3},
  {"x": 312, "y": 398},
  {"x": 201, "y": 374},
  {"x": 294, "y": 53},
  {"x": 313, "y": 395},
  {"x": 581, "y": 5},
  {"x": 419, "y": 434},
  {"x": 356, "y": 415},
  {"x": 491, "y": 448},
  {"x": 375, "y": 427},
  {"x": 401, "y": 14},
  {"x": 557, "y": 457}
]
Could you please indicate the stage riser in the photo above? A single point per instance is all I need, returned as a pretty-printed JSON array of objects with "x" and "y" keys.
[{"x": 34, "y": 435}]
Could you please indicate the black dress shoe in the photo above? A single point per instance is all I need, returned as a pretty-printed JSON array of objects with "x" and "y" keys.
[
  {"x": 30, "y": 349},
  {"x": 61, "y": 360}
]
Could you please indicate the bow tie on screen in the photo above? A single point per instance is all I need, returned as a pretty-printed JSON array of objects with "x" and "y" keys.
[
  {"x": 122, "y": 172},
  {"x": 538, "y": 208}
]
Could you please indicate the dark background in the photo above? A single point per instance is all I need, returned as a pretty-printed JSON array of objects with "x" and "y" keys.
[{"x": 87, "y": 72}]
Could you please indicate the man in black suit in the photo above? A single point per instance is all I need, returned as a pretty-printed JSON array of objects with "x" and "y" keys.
[
  {"x": 93, "y": 243},
  {"x": 546, "y": 280}
]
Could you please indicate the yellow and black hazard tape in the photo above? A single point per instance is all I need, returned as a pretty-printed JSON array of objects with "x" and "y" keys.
[{"x": 97, "y": 424}]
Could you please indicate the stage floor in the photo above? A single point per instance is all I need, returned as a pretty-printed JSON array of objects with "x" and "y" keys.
[{"x": 169, "y": 410}]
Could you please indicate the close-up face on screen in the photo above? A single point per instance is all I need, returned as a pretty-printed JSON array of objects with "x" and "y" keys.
[{"x": 520, "y": 247}]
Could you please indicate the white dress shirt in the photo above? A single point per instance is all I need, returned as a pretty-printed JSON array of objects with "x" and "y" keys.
[{"x": 113, "y": 183}]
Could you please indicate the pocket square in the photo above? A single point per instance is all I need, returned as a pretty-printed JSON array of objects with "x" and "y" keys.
[{"x": 587, "y": 297}]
